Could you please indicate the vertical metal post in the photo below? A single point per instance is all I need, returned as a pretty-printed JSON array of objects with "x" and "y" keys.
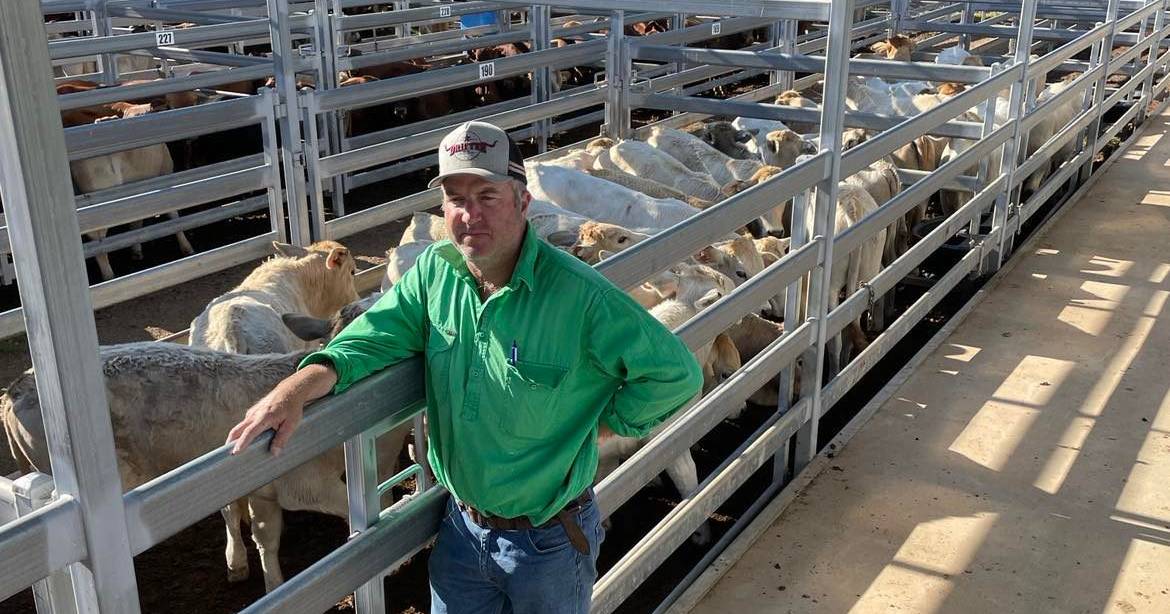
[
  {"x": 984, "y": 164},
  {"x": 1143, "y": 31},
  {"x": 1105, "y": 51},
  {"x": 361, "y": 483},
  {"x": 58, "y": 312},
  {"x": 899, "y": 12},
  {"x": 290, "y": 127},
  {"x": 678, "y": 21},
  {"x": 539, "y": 16},
  {"x": 272, "y": 161},
  {"x": 1009, "y": 156},
  {"x": 425, "y": 478},
  {"x": 101, "y": 22},
  {"x": 55, "y": 593},
  {"x": 307, "y": 107},
  {"x": 325, "y": 43},
  {"x": 407, "y": 27},
  {"x": 967, "y": 16},
  {"x": 837, "y": 46},
  {"x": 1151, "y": 58},
  {"x": 789, "y": 32},
  {"x": 617, "y": 79}
]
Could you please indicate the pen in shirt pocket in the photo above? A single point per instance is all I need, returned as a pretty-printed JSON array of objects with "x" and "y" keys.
[{"x": 515, "y": 355}]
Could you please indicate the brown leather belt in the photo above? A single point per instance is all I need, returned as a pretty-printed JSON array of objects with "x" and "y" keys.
[{"x": 565, "y": 516}]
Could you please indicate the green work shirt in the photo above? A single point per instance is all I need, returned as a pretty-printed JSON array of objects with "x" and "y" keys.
[{"x": 520, "y": 439}]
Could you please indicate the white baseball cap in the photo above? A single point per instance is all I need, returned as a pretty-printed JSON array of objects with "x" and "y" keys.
[{"x": 481, "y": 149}]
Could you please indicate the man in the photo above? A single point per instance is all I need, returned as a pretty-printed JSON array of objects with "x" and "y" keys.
[{"x": 527, "y": 351}]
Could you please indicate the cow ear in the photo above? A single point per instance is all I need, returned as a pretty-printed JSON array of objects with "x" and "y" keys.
[
  {"x": 288, "y": 250},
  {"x": 306, "y": 328},
  {"x": 336, "y": 257}
]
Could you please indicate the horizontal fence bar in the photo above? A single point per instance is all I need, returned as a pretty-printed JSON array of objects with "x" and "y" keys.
[
  {"x": 809, "y": 63},
  {"x": 854, "y": 305},
  {"x": 747, "y": 298},
  {"x": 431, "y": 81},
  {"x": 160, "y": 277},
  {"x": 698, "y": 419},
  {"x": 853, "y": 119},
  {"x": 34, "y": 546},
  {"x": 887, "y": 214},
  {"x": 652, "y": 550},
  {"x": 171, "y": 226},
  {"x": 814, "y": 10},
  {"x": 424, "y": 142},
  {"x": 160, "y": 87},
  {"x": 395, "y": 538},
  {"x": 164, "y": 126},
  {"x": 877, "y": 147},
  {"x": 179, "y": 498},
  {"x": 384, "y": 213},
  {"x": 840, "y": 385},
  {"x": 679, "y": 242}
]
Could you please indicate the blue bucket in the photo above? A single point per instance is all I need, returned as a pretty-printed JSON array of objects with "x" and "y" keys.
[{"x": 472, "y": 20}]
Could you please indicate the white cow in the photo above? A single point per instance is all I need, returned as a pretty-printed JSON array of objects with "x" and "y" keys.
[
  {"x": 604, "y": 201},
  {"x": 701, "y": 157},
  {"x": 316, "y": 281},
  {"x": 644, "y": 160}
]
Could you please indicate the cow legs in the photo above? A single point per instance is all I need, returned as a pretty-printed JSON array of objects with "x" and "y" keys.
[
  {"x": 184, "y": 245},
  {"x": 267, "y": 522},
  {"x": 235, "y": 553},
  {"x": 103, "y": 260},
  {"x": 685, "y": 477}
]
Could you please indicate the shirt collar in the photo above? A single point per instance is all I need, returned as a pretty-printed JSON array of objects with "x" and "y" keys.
[{"x": 525, "y": 269}]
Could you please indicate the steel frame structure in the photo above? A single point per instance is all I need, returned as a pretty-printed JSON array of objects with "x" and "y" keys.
[{"x": 76, "y": 545}]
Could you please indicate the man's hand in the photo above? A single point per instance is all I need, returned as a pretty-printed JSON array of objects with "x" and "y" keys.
[
  {"x": 275, "y": 411},
  {"x": 283, "y": 407},
  {"x": 603, "y": 433}
]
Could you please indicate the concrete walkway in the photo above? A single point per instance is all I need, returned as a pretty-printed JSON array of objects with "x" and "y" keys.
[{"x": 1025, "y": 467}]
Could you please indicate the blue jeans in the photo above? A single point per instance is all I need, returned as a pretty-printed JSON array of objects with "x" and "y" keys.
[{"x": 474, "y": 570}]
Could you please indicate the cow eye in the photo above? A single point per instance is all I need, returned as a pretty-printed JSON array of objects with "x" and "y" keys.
[
  {"x": 622, "y": 240},
  {"x": 741, "y": 274}
]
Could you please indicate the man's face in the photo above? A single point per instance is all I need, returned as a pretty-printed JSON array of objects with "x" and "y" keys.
[{"x": 483, "y": 218}]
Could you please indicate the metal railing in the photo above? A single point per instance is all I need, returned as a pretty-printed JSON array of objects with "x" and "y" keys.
[{"x": 52, "y": 537}]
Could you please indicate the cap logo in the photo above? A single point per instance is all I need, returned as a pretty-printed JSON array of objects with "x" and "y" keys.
[{"x": 470, "y": 147}]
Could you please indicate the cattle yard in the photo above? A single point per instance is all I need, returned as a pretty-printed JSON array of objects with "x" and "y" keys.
[{"x": 897, "y": 153}]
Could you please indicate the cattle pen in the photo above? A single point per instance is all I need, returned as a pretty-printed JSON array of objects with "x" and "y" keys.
[{"x": 963, "y": 354}]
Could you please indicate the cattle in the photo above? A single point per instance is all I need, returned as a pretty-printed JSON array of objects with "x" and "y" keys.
[
  {"x": 897, "y": 47},
  {"x": 119, "y": 168},
  {"x": 727, "y": 139},
  {"x": 170, "y": 404},
  {"x": 315, "y": 281},
  {"x": 696, "y": 288},
  {"x": 700, "y": 157},
  {"x": 648, "y": 187},
  {"x": 793, "y": 98},
  {"x": 507, "y": 88},
  {"x": 604, "y": 201},
  {"x": 757, "y": 131},
  {"x": 751, "y": 335},
  {"x": 644, "y": 160},
  {"x": 593, "y": 237}
]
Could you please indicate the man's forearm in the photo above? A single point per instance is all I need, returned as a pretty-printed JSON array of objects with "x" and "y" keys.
[{"x": 308, "y": 384}]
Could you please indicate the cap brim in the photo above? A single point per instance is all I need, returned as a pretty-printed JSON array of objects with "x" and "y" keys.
[{"x": 478, "y": 172}]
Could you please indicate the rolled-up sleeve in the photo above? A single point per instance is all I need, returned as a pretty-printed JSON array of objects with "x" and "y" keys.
[
  {"x": 389, "y": 332},
  {"x": 658, "y": 374}
]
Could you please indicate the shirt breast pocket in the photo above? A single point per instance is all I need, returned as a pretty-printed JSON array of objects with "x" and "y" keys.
[
  {"x": 439, "y": 355},
  {"x": 531, "y": 399}
]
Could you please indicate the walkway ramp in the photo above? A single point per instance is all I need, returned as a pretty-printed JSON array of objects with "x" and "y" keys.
[{"x": 1025, "y": 465}]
